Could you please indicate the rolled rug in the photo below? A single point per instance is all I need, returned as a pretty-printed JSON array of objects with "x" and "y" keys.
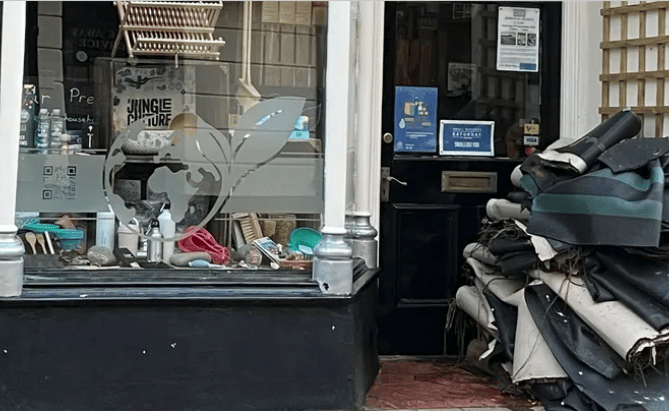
[
  {"x": 623, "y": 392},
  {"x": 620, "y": 328},
  {"x": 503, "y": 209},
  {"x": 479, "y": 252},
  {"x": 501, "y": 286},
  {"x": 532, "y": 357},
  {"x": 470, "y": 300},
  {"x": 603, "y": 208},
  {"x": 583, "y": 153}
]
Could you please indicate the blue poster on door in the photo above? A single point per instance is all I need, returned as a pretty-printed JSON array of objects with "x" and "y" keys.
[{"x": 416, "y": 119}]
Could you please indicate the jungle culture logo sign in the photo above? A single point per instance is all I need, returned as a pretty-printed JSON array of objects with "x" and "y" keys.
[{"x": 157, "y": 111}]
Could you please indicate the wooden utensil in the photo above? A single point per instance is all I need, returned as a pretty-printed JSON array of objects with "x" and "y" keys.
[
  {"x": 31, "y": 239},
  {"x": 40, "y": 240}
]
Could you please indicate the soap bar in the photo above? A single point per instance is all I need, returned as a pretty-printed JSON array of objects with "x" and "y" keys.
[{"x": 182, "y": 259}]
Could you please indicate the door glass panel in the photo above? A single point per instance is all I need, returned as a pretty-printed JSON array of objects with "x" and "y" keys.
[{"x": 453, "y": 46}]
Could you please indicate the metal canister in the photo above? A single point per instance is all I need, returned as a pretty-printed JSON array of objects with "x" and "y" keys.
[{"x": 155, "y": 252}]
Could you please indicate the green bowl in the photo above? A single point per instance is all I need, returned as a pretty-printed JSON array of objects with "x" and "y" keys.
[
  {"x": 41, "y": 227},
  {"x": 69, "y": 238},
  {"x": 304, "y": 240}
]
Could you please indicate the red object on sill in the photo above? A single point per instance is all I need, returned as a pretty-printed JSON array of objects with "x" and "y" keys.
[{"x": 202, "y": 240}]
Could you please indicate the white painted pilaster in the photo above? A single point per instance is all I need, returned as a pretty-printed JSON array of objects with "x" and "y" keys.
[
  {"x": 11, "y": 88},
  {"x": 364, "y": 108},
  {"x": 337, "y": 117},
  {"x": 581, "y": 65},
  {"x": 377, "y": 102},
  {"x": 367, "y": 132},
  {"x": 333, "y": 268}
]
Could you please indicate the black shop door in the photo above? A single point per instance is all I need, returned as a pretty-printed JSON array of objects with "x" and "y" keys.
[{"x": 432, "y": 203}]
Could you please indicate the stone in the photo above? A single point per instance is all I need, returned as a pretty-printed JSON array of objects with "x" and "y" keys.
[
  {"x": 101, "y": 256},
  {"x": 182, "y": 259}
]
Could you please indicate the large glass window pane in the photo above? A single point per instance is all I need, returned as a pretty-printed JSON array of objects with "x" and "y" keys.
[{"x": 152, "y": 127}]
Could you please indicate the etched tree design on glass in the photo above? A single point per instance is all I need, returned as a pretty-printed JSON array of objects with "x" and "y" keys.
[{"x": 201, "y": 160}]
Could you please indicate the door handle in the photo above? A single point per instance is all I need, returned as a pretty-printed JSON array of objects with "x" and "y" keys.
[
  {"x": 386, "y": 178},
  {"x": 391, "y": 178}
]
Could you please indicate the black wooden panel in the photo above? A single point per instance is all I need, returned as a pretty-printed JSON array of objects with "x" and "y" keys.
[
  {"x": 415, "y": 331},
  {"x": 214, "y": 355},
  {"x": 426, "y": 251}
]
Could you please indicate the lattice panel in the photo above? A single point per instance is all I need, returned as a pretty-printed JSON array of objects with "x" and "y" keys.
[{"x": 634, "y": 42}]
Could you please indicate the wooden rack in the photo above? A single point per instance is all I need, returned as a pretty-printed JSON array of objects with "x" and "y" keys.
[{"x": 169, "y": 28}]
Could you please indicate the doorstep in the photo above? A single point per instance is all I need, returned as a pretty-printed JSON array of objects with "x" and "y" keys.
[{"x": 438, "y": 384}]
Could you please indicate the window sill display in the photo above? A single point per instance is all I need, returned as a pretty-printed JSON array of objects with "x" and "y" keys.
[{"x": 200, "y": 250}]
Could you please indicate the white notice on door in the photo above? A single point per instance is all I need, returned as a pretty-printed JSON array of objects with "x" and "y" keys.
[{"x": 518, "y": 39}]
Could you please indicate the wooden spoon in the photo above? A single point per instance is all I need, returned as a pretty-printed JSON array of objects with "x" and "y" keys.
[
  {"x": 40, "y": 240},
  {"x": 31, "y": 239}
]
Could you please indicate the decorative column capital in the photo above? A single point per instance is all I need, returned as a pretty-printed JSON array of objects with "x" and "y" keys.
[{"x": 362, "y": 237}]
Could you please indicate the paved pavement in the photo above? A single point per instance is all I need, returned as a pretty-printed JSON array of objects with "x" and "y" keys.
[
  {"x": 535, "y": 408},
  {"x": 424, "y": 384}
]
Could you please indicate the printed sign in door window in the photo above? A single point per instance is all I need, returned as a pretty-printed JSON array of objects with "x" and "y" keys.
[
  {"x": 518, "y": 39},
  {"x": 466, "y": 138},
  {"x": 416, "y": 119}
]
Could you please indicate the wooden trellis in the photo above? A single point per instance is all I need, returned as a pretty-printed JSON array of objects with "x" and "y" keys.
[{"x": 621, "y": 41}]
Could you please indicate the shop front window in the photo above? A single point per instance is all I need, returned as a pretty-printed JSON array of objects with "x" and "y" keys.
[{"x": 171, "y": 138}]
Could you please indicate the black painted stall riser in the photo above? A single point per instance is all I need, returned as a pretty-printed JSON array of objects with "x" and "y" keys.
[{"x": 208, "y": 355}]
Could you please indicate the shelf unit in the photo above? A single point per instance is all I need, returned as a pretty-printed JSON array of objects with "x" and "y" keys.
[{"x": 169, "y": 28}]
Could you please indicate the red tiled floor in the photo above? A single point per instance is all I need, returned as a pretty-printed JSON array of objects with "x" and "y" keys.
[{"x": 406, "y": 383}]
